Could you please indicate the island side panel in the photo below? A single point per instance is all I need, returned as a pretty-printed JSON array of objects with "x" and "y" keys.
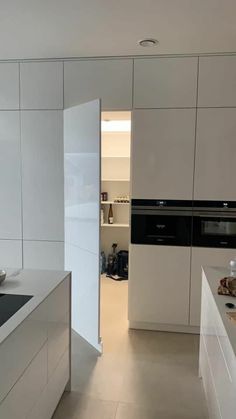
[{"x": 50, "y": 362}]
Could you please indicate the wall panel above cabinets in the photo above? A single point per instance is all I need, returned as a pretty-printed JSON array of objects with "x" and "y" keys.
[
  {"x": 165, "y": 82},
  {"x": 9, "y": 86},
  {"x": 217, "y": 81},
  {"x": 42, "y": 175},
  {"x": 163, "y": 153},
  {"x": 215, "y": 154},
  {"x": 10, "y": 175},
  {"x": 41, "y": 85},
  {"x": 109, "y": 80}
]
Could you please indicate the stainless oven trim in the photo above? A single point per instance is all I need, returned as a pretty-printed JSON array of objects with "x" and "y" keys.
[
  {"x": 215, "y": 214},
  {"x": 155, "y": 208},
  {"x": 163, "y": 212}
]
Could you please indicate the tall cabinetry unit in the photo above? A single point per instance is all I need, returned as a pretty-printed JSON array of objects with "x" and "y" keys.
[
  {"x": 165, "y": 91},
  {"x": 115, "y": 170},
  {"x": 215, "y": 157}
]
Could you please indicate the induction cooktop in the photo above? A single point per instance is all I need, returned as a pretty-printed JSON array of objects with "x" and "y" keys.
[{"x": 10, "y": 304}]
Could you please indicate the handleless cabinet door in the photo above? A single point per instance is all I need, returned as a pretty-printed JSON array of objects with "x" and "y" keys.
[
  {"x": 165, "y": 82},
  {"x": 217, "y": 81},
  {"x": 215, "y": 154},
  {"x": 159, "y": 284},
  {"x": 11, "y": 253},
  {"x": 42, "y": 175},
  {"x": 9, "y": 86},
  {"x": 41, "y": 85},
  {"x": 10, "y": 175},
  {"x": 204, "y": 257},
  {"x": 43, "y": 255},
  {"x": 109, "y": 80},
  {"x": 163, "y": 153}
]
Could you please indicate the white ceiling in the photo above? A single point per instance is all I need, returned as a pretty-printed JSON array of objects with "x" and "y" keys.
[{"x": 74, "y": 28}]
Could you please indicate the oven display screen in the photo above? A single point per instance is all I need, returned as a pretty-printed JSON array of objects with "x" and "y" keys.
[{"x": 218, "y": 228}]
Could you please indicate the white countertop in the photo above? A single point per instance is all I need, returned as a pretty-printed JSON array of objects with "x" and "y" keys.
[
  {"x": 38, "y": 283},
  {"x": 214, "y": 275}
]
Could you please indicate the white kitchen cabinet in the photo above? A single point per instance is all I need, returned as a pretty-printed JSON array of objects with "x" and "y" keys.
[
  {"x": 159, "y": 285},
  {"x": 215, "y": 155},
  {"x": 162, "y": 153},
  {"x": 165, "y": 82},
  {"x": 41, "y": 85},
  {"x": 109, "y": 80},
  {"x": 217, "y": 81},
  {"x": 43, "y": 255},
  {"x": 9, "y": 86},
  {"x": 10, "y": 175},
  {"x": 202, "y": 256},
  {"x": 11, "y": 253},
  {"x": 42, "y": 175}
]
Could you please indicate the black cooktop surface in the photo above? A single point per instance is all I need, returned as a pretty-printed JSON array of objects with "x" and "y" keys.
[{"x": 10, "y": 304}]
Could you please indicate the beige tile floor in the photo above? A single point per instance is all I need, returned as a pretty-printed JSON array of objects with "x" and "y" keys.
[{"x": 141, "y": 374}]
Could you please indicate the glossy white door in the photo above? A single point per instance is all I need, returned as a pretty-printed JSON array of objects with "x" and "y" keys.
[
  {"x": 162, "y": 153},
  {"x": 82, "y": 156},
  {"x": 215, "y": 155}
]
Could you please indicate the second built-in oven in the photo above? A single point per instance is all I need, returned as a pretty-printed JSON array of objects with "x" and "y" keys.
[
  {"x": 161, "y": 222},
  {"x": 214, "y": 224}
]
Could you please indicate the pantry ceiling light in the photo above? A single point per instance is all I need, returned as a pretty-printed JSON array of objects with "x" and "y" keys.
[
  {"x": 116, "y": 126},
  {"x": 148, "y": 42}
]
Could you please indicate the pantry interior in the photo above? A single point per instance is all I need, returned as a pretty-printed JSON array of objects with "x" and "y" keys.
[{"x": 115, "y": 196}]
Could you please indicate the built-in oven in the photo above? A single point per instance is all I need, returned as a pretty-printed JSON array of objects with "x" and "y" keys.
[
  {"x": 161, "y": 222},
  {"x": 214, "y": 224}
]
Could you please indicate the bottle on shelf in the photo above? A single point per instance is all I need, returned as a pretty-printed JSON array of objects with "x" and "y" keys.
[{"x": 110, "y": 215}]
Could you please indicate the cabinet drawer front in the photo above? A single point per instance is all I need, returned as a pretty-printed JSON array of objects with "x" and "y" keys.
[
  {"x": 28, "y": 338},
  {"x": 51, "y": 395},
  {"x": 27, "y": 390}
]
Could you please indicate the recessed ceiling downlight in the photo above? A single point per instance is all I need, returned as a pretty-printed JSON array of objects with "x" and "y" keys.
[{"x": 148, "y": 42}]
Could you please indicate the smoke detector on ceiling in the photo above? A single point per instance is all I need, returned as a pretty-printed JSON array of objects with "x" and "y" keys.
[{"x": 148, "y": 42}]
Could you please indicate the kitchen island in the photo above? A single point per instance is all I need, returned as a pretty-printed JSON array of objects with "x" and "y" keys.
[
  {"x": 34, "y": 343},
  {"x": 217, "y": 361}
]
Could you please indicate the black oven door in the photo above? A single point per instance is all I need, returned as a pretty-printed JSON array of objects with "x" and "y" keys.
[
  {"x": 214, "y": 230},
  {"x": 161, "y": 227}
]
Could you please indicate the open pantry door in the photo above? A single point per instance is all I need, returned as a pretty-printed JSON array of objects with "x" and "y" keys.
[{"x": 82, "y": 165}]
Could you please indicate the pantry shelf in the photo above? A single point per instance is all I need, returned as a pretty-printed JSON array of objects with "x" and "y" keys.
[
  {"x": 114, "y": 203},
  {"x": 115, "y": 225}
]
